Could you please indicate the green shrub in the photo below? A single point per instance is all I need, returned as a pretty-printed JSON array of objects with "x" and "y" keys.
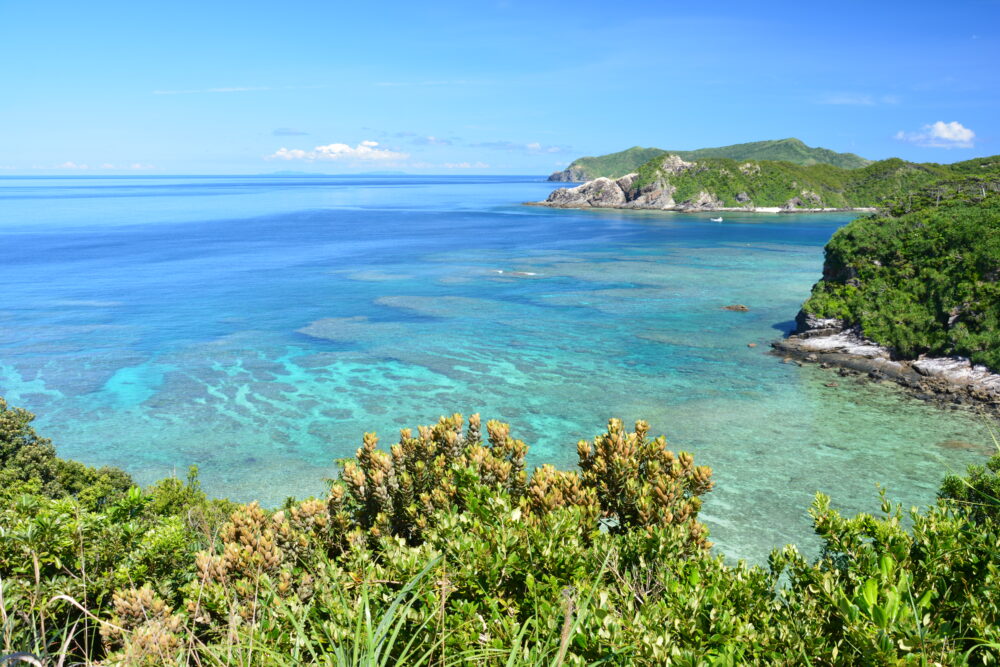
[
  {"x": 445, "y": 551},
  {"x": 28, "y": 462}
]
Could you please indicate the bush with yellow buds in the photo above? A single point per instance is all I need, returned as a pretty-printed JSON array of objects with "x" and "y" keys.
[
  {"x": 639, "y": 482},
  {"x": 143, "y": 629}
]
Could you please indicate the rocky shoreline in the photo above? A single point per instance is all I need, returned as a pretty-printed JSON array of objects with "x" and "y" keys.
[{"x": 944, "y": 380}]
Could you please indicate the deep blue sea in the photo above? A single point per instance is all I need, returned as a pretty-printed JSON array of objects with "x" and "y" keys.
[{"x": 257, "y": 326}]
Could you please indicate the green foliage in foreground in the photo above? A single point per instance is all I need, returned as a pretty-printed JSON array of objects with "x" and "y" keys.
[
  {"x": 616, "y": 165},
  {"x": 445, "y": 550},
  {"x": 922, "y": 278}
]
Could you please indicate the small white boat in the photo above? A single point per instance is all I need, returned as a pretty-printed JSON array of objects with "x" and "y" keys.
[{"x": 716, "y": 219}]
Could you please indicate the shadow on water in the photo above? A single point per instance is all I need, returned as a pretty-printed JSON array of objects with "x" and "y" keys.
[{"x": 786, "y": 327}]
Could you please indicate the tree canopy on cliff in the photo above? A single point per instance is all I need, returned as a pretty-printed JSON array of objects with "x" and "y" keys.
[{"x": 924, "y": 277}]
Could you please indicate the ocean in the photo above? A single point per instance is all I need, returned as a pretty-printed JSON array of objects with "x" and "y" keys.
[{"x": 258, "y": 326}]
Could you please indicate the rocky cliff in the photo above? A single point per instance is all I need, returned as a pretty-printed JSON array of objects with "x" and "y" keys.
[{"x": 666, "y": 184}]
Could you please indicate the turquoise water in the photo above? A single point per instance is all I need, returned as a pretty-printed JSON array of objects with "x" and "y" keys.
[{"x": 258, "y": 326}]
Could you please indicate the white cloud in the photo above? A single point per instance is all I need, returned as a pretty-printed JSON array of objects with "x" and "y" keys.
[
  {"x": 465, "y": 165},
  {"x": 69, "y": 164},
  {"x": 940, "y": 135},
  {"x": 366, "y": 151}
]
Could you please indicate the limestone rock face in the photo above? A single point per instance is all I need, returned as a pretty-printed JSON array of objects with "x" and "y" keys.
[
  {"x": 845, "y": 342},
  {"x": 703, "y": 201},
  {"x": 598, "y": 193},
  {"x": 806, "y": 322},
  {"x": 959, "y": 370},
  {"x": 656, "y": 195},
  {"x": 673, "y": 164},
  {"x": 813, "y": 199},
  {"x": 626, "y": 181}
]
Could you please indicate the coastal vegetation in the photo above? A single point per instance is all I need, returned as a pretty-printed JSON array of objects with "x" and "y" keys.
[
  {"x": 616, "y": 165},
  {"x": 720, "y": 183},
  {"x": 767, "y": 183},
  {"x": 922, "y": 276},
  {"x": 445, "y": 550}
]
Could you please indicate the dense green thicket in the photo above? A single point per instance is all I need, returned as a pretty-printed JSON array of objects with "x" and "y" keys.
[
  {"x": 28, "y": 463},
  {"x": 615, "y": 165},
  {"x": 924, "y": 276},
  {"x": 445, "y": 550}
]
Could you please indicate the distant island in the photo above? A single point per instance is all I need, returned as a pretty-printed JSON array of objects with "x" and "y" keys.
[
  {"x": 616, "y": 165},
  {"x": 316, "y": 174},
  {"x": 671, "y": 182}
]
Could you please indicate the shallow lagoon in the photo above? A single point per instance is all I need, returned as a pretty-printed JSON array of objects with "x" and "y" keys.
[{"x": 256, "y": 326}]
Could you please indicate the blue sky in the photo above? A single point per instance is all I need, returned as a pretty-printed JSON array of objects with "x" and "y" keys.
[{"x": 483, "y": 87}]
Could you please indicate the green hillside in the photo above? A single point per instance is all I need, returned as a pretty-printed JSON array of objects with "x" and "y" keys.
[
  {"x": 767, "y": 183},
  {"x": 615, "y": 165},
  {"x": 925, "y": 276},
  {"x": 786, "y": 150},
  {"x": 612, "y": 165}
]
